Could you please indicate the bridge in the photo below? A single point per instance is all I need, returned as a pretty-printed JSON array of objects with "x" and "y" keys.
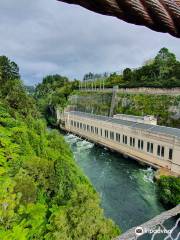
[
  {"x": 157, "y": 228},
  {"x": 149, "y": 144}
]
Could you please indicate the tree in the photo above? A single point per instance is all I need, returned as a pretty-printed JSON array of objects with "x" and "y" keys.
[
  {"x": 39, "y": 178},
  {"x": 148, "y": 62},
  {"x": 83, "y": 210},
  {"x": 161, "y": 71},
  {"x": 9, "y": 70},
  {"x": 165, "y": 62},
  {"x": 24, "y": 182},
  {"x": 127, "y": 74},
  {"x": 169, "y": 190}
]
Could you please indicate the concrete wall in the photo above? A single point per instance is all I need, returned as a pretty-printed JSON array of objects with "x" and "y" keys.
[{"x": 160, "y": 91}]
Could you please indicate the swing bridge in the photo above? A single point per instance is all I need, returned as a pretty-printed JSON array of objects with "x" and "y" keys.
[
  {"x": 157, "y": 228},
  {"x": 162, "y": 16}
]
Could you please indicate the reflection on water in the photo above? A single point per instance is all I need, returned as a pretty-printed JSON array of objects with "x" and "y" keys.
[{"x": 126, "y": 188}]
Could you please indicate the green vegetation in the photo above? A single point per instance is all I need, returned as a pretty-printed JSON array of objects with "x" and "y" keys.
[
  {"x": 92, "y": 102},
  {"x": 162, "y": 71},
  {"x": 44, "y": 195},
  {"x": 164, "y": 107},
  {"x": 53, "y": 93},
  {"x": 30, "y": 90},
  {"x": 169, "y": 190}
]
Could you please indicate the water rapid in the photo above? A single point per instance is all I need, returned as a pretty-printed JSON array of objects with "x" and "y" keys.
[{"x": 127, "y": 189}]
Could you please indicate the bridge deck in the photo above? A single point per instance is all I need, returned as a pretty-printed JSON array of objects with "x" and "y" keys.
[{"x": 154, "y": 224}]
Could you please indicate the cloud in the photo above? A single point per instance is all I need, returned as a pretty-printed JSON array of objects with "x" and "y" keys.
[{"x": 46, "y": 37}]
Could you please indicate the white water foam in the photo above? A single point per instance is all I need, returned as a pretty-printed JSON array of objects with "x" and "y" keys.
[{"x": 149, "y": 175}]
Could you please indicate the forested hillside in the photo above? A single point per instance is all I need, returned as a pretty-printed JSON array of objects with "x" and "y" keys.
[
  {"x": 161, "y": 71},
  {"x": 44, "y": 195},
  {"x": 53, "y": 93}
]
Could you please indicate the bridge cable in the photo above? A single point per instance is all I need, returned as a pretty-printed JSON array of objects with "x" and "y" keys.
[{"x": 158, "y": 15}]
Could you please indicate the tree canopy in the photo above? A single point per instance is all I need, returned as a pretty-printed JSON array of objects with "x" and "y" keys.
[
  {"x": 44, "y": 194},
  {"x": 163, "y": 71}
]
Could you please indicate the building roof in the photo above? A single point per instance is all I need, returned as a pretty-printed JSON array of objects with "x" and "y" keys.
[
  {"x": 174, "y": 132},
  {"x": 129, "y": 116}
]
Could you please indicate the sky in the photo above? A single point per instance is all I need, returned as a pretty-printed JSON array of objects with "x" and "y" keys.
[{"x": 49, "y": 37}]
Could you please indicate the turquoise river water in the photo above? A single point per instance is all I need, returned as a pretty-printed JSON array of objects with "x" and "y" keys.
[{"x": 127, "y": 190}]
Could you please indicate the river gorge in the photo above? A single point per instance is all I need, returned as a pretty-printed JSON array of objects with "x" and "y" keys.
[{"x": 127, "y": 190}]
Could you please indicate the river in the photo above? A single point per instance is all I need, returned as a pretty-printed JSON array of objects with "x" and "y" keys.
[{"x": 127, "y": 190}]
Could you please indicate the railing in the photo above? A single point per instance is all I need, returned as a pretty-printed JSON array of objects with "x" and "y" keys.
[{"x": 157, "y": 228}]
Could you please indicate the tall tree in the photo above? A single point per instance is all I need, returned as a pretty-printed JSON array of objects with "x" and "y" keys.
[{"x": 165, "y": 61}]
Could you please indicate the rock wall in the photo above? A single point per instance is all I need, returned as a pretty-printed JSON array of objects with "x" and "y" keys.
[{"x": 165, "y": 107}]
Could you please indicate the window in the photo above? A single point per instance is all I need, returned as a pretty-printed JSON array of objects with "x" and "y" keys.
[
  {"x": 96, "y": 130},
  {"x": 106, "y": 134},
  {"x": 118, "y": 137},
  {"x": 92, "y": 129},
  {"x": 148, "y": 147},
  {"x": 124, "y": 139},
  {"x": 141, "y": 144},
  {"x": 160, "y": 151},
  {"x": 101, "y": 132},
  {"x": 88, "y": 128},
  {"x": 84, "y": 127},
  {"x": 170, "y": 154},
  {"x": 74, "y": 124},
  {"x": 80, "y": 125},
  {"x": 112, "y": 135},
  {"x": 71, "y": 122},
  {"x": 152, "y": 148},
  {"x": 132, "y": 142}
]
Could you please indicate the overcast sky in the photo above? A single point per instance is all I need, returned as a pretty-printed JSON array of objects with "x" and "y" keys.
[{"x": 47, "y": 37}]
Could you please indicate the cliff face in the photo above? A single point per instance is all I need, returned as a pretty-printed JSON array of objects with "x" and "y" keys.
[
  {"x": 91, "y": 102},
  {"x": 165, "y": 107}
]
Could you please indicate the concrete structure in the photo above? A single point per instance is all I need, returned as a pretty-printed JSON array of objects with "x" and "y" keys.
[
  {"x": 145, "y": 119},
  {"x": 154, "y": 145},
  {"x": 141, "y": 90},
  {"x": 113, "y": 101}
]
